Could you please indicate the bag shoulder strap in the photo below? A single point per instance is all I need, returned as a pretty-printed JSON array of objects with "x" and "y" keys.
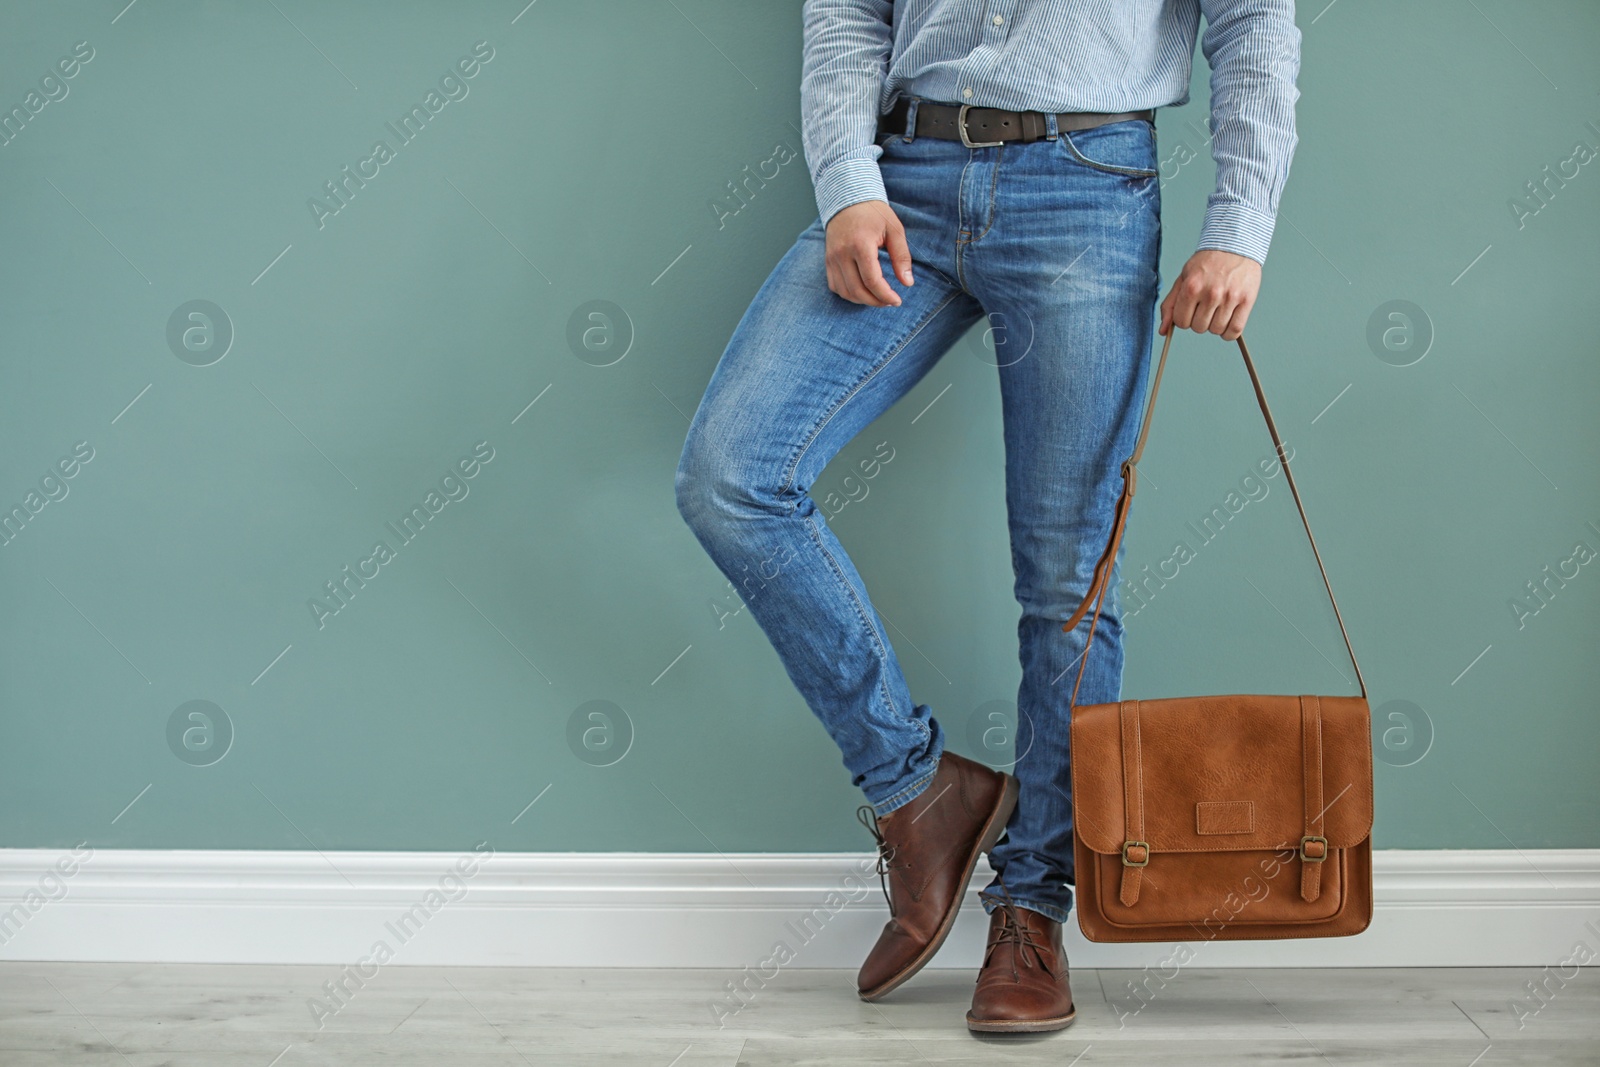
[{"x": 1102, "y": 569}]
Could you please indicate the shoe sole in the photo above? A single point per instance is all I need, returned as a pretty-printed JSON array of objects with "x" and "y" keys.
[
  {"x": 1020, "y": 1026},
  {"x": 992, "y": 829}
]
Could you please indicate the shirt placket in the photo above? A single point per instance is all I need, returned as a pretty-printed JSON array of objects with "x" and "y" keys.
[{"x": 994, "y": 25}]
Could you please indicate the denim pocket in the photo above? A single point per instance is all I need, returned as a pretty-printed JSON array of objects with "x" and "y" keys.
[{"x": 1127, "y": 148}]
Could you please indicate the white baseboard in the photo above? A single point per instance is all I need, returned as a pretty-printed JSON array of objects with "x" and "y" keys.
[{"x": 1433, "y": 908}]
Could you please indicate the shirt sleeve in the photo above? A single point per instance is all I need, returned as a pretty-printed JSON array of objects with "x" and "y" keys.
[
  {"x": 1253, "y": 47},
  {"x": 846, "y": 59}
]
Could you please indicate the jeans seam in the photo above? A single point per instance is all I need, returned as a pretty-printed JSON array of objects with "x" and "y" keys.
[
  {"x": 805, "y": 446},
  {"x": 994, "y": 185},
  {"x": 961, "y": 201},
  {"x": 906, "y": 795},
  {"x": 1049, "y": 911},
  {"x": 861, "y": 613}
]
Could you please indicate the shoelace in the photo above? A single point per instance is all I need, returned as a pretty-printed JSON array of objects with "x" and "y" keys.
[
  {"x": 869, "y": 818},
  {"x": 1013, "y": 931}
]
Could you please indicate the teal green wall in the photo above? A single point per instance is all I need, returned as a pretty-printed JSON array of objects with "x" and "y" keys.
[{"x": 426, "y": 315}]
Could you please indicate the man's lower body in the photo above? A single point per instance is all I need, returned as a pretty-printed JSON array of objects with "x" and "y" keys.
[{"x": 1057, "y": 241}]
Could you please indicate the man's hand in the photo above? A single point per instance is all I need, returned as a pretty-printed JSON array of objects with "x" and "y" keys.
[
  {"x": 1213, "y": 294},
  {"x": 855, "y": 234}
]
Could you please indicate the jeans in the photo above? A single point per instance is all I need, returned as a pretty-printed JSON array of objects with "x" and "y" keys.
[{"x": 1057, "y": 241}]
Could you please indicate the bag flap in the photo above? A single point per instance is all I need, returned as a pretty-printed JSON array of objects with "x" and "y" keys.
[{"x": 1221, "y": 773}]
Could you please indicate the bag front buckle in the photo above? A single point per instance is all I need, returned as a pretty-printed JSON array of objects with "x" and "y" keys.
[
  {"x": 1315, "y": 843},
  {"x": 961, "y": 128},
  {"x": 1135, "y": 853}
]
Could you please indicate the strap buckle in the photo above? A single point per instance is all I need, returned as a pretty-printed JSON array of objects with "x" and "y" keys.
[
  {"x": 961, "y": 128},
  {"x": 1135, "y": 853},
  {"x": 1313, "y": 848}
]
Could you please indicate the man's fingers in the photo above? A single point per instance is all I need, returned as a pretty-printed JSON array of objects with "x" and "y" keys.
[
  {"x": 855, "y": 235},
  {"x": 1166, "y": 315},
  {"x": 853, "y": 288},
  {"x": 1204, "y": 314},
  {"x": 851, "y": 271},
  {"x": 866, "y": 260},
  {"x": 1205, "y": 310},
  {"x": 844, "y": 278},
  {"x": 1221, "y": 315},
  {"x": 1182, "y": 309},
  {"x": 899, "y": 253},
  {"x": 1213, "y": 294},
  {"x": 1235, "y": 327}
]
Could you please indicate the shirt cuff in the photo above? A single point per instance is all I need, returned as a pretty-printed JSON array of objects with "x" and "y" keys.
[
  {"x": 1232, "y": 227},
  {"x": 846, "y": 182}
]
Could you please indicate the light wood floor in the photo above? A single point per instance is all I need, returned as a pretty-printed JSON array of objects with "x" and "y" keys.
[{"x": 143, "y": 1015}]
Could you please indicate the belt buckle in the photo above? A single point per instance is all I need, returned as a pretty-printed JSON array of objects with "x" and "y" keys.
[{"x": 961, "y": 128}]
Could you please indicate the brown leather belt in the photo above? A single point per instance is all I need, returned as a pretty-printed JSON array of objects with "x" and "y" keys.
[{"x": 980, "y": 127}]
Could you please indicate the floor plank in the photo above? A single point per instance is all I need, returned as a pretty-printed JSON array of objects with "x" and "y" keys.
[{"x": 146, "y": 1015}]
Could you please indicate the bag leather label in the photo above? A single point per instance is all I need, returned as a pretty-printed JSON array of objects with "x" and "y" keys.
[{"x": 1224, "y": 817}]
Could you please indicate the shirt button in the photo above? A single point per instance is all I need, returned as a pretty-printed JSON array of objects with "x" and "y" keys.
[
  {"x": 998, "y": 20},
  {"x": 967, "y": 92}
]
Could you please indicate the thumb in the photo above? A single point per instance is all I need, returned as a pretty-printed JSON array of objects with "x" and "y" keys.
[{"x": 899, "y": 251}]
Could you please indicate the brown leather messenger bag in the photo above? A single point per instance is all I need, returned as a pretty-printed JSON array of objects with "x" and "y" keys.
[{"x": 1237, "y": 817}]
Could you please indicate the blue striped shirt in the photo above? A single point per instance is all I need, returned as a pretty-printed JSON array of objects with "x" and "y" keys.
[{"x": 1057, "y": 55}]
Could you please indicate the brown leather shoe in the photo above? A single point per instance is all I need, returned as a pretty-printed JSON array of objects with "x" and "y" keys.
[
  {"x": 927, "y": 850},
  {"x": 1023, "y": 985}
]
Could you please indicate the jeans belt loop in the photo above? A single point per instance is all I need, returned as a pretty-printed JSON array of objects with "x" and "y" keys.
[
  {"x": 1050, "y": 125},
  {"x": 911, "y": 120}
]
